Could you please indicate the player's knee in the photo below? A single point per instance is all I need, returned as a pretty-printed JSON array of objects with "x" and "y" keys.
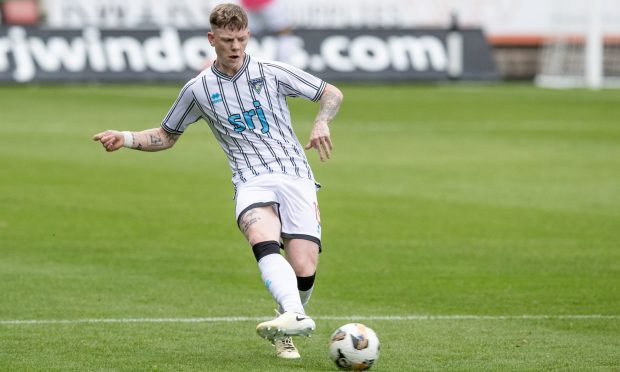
[
  {"x": 305, "y": 268},
  {"x": 265, "y": 248}
]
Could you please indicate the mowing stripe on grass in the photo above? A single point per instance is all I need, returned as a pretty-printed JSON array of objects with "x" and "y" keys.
[{"x": 348, "y": 318}]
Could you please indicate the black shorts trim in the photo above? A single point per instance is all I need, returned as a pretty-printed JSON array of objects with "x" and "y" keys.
[
  {"x": 304, "y": 237},
  {"x": 255, "y": 205}
]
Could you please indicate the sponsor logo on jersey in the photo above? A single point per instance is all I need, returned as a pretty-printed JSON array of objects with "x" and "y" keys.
[
  {"x": 216, "y": 98},
  {"x": 245, "y": 120}
]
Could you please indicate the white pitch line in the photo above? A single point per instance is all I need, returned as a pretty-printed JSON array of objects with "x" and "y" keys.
[{"x": 344, "y": 318}]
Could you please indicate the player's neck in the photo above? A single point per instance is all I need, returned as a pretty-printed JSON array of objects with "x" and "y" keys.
[{"x": 230, "y": 69}]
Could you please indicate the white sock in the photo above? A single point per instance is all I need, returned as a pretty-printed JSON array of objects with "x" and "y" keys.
[
  {"x": 280, "y": 280},
  {"x": 305, "y": 296}
]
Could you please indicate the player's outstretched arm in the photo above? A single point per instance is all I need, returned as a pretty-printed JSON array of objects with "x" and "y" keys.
[
  {"x": 155, "y": 139},
  {"x": 319, "y": 136}
]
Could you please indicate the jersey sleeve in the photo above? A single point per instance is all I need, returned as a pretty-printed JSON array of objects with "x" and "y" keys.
[
  {"x": 185, "y": 111},
  {"x": 294, "y": 82}
]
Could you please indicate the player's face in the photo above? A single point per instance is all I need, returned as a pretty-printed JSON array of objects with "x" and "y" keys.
[{"x": 229, "y": 47}]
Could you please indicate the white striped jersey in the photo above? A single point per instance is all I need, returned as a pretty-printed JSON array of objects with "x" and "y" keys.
[{"x": 249, "y": 116}]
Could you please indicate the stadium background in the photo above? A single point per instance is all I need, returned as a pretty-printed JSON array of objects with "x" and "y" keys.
[
  {"x": 472, "y": 220},
  {"x": 516, "y": 31}
]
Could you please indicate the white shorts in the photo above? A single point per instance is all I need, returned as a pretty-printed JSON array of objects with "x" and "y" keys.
[{"x": 293, "y": 199}]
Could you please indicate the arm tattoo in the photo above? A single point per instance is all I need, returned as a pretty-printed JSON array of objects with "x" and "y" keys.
[
  {"x": 172, "y": 138},
  {"x": 155, "y": 140},
  {"x": 330, "y": 104}
]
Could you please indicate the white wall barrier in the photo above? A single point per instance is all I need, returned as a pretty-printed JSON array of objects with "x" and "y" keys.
[{"x": 497, "y": 17}]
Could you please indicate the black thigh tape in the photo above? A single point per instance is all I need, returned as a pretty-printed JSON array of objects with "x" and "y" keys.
[{"x": 263, "y": 249}]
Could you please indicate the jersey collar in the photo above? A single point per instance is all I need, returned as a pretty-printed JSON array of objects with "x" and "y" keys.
[{"x": 218, "y": 73}]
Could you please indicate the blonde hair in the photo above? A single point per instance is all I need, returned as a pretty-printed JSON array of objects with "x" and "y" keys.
[{"x": 228, "y": 16}]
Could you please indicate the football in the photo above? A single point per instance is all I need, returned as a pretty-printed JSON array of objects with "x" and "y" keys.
[{"x": 354, "y": 347}]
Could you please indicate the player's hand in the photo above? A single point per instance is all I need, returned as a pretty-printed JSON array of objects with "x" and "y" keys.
[
  {"x": 320, "y": 140},
  {"x": 111, "y": 140}
]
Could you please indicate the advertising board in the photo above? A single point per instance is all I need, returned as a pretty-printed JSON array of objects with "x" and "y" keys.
[{"x": 170, "y": 54}]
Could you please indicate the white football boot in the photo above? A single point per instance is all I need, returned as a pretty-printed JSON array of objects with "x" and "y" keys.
[
  {"x": 286, "y": 325},
  {"x": 285, "y": 348}
]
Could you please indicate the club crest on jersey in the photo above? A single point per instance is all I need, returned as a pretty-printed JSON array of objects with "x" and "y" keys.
[
  {"x": 257, "y": 84},
  {"x": 216, "y": 98}
]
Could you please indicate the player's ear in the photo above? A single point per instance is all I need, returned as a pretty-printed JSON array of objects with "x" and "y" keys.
[{"x": 211, "y": 37}]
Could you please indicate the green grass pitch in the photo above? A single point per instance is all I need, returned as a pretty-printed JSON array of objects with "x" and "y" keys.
[{"x": 472, "y": 227}]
